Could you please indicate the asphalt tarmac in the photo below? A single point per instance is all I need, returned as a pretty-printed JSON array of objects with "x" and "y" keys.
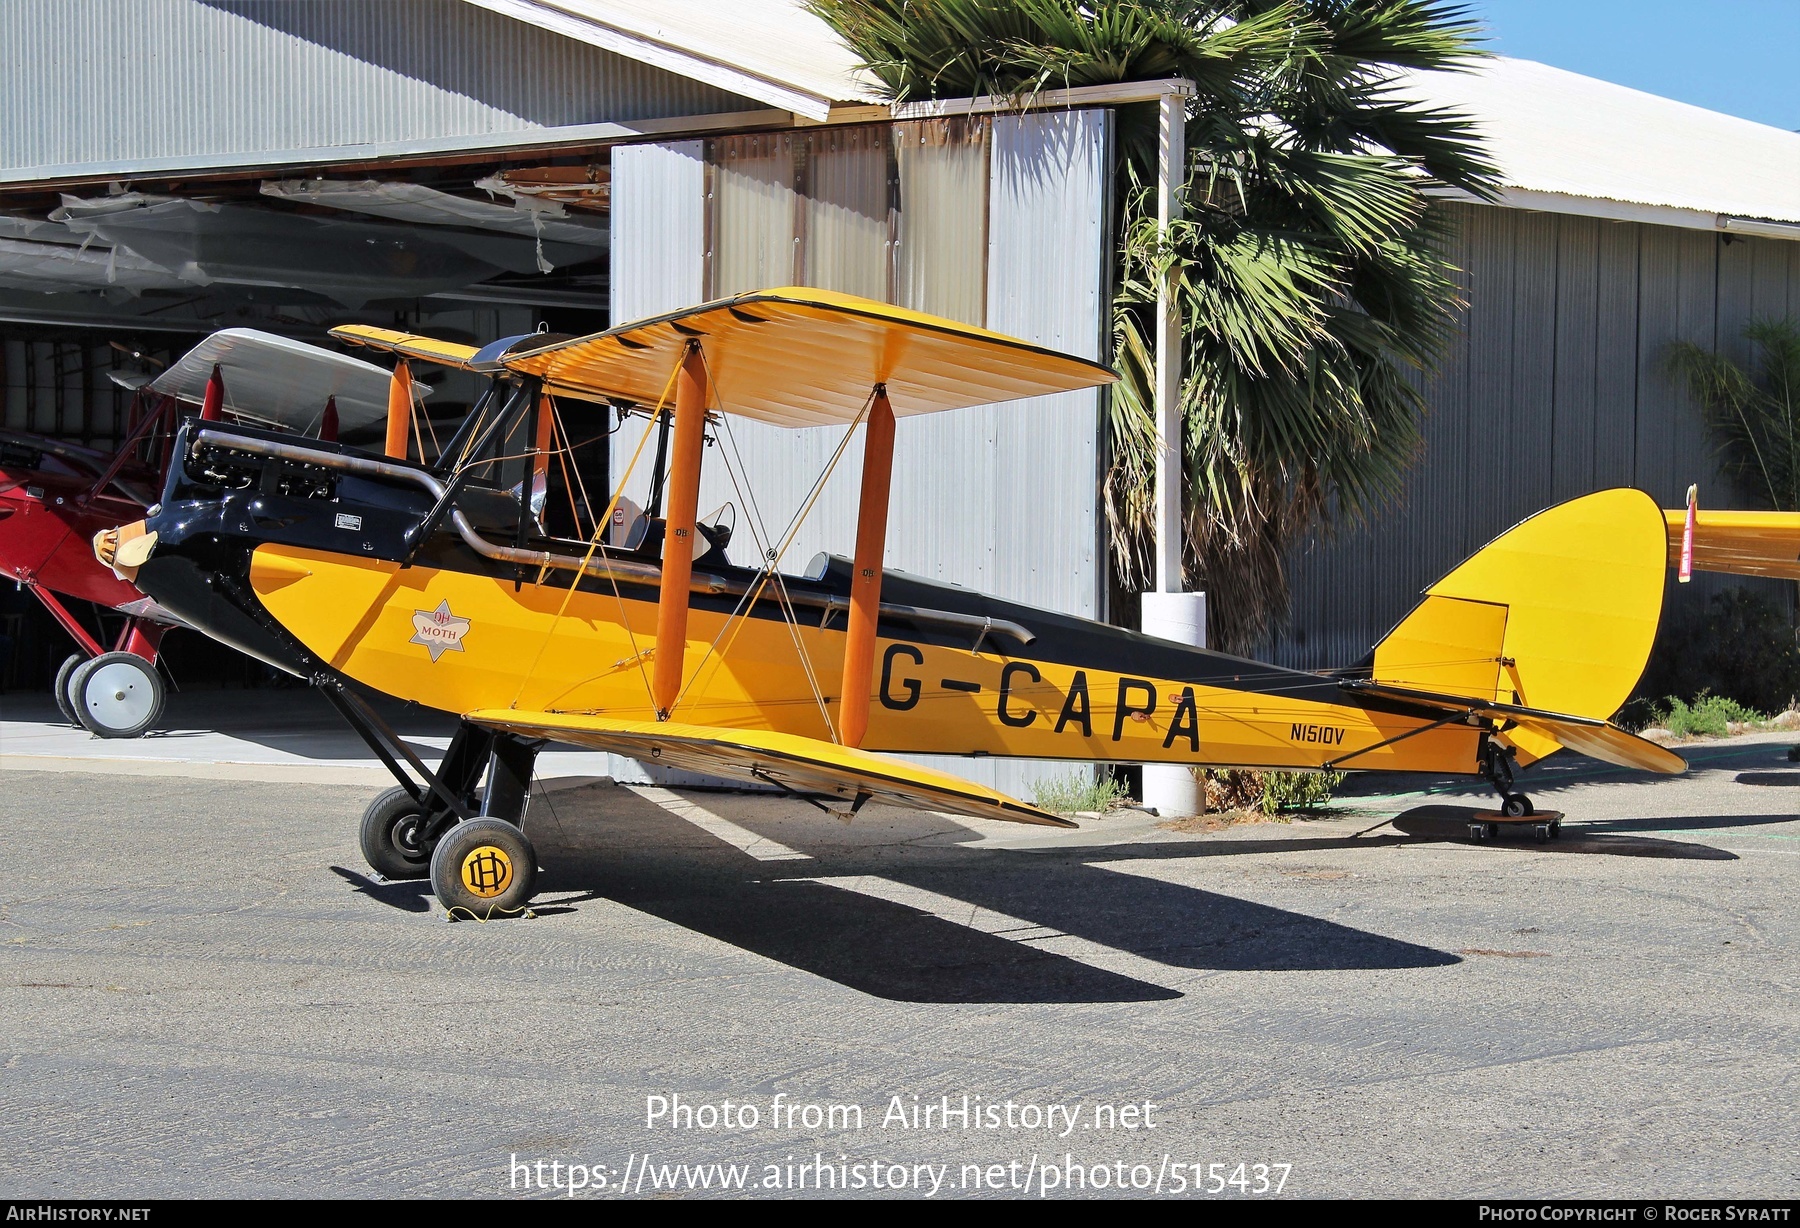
[{"x": 204, "y": 992}]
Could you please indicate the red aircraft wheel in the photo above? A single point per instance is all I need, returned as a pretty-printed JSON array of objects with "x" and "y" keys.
[
  {"x": 117, "y": 695},
  {"x": 65, "y": 702}
]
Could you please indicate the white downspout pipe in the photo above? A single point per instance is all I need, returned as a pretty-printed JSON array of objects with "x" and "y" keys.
[{"x": 1169, "y": 612}]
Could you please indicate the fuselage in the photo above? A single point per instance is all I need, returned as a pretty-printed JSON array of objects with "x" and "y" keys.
[
  {"x": 46, "y": 521},
  {"x": 312, "y": 570}
]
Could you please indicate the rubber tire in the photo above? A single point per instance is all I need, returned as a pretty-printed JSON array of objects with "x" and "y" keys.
[
  {"x": 87, "y": 706},
  {"x": 1517, "y": 806},
  {"x": 462, "y": 840},
  {"x": 65, "y": 673},
  {"x": 387, "y": 854}
]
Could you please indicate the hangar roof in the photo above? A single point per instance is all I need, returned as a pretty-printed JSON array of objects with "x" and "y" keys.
[
  {"x": 771, "y": 50},
  {"x": 1564, "y": 142}
]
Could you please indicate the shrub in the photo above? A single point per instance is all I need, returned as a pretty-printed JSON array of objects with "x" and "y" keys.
[
  {"x": 1298, "y": 790},
  {"x": 1269, "y": 792},
  {"x": 1077, "y": 791},
  {"x": 1709, "y": 714}
]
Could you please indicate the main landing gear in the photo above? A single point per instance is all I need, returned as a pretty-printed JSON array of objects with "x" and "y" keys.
[
  {"x": 1516, "y": 810},
  {"x": 116, "y": 694},
  {"x": 463, "y": 828}
]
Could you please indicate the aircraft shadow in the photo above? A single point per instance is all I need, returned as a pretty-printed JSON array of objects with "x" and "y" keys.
[
  {"x": 1690, "y": 822},
  {"x": 1445, "y": 823},
  {"x": 1568, "y": 770},
  {"x": 409, "y": 895},
  {"x": 639, "y": 855},
  {"x": 1788, "y": 779}
]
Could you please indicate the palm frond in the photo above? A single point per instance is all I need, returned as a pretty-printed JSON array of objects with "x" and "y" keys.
[
  {"x": 1752, "y": 415},
  {"x": 1309, "y": 270}
]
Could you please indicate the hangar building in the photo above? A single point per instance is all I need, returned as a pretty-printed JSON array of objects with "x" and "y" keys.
[{"x": 479, "y": 168}]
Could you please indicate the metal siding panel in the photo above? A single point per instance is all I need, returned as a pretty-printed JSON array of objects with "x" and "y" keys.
[
  {"x": 1659, "y": 324},
  {"x": 1737, "y": 273},
  {"x": 1048, "y": 252},
  {"x": 658, "y": 262},
  {"x": 1697, "y": 280},
  {"x": 1490, "y": 409},
  {"x": 658, "y": 239},
  {"x": 1577, "y": 330},
  {"x": 1449, "y": 423},
  {"x": 1526, "y": 453},
  {"x": 107, "y": 81},
  {"x": 1616, "y": 356},
  {"x": 1769, "y": 283}
]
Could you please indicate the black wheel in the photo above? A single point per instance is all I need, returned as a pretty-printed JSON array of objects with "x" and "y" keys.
[
  {"x": 1556, "y": 829},
  {"x": 483, "y": 868},
  {"x": 65, "y": 672},
  {"x": 117, "y": 695},
  {"x": 1516, "y": 806},
  {"x": 393, "y": 830}
]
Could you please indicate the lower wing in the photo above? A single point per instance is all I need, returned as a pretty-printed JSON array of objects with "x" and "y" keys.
[{"x": 802, "y": 765}]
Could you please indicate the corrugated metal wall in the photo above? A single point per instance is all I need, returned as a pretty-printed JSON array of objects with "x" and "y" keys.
[
  {"x": 1555, "y": 387},
  {"x": 1001, "y": 499},
  {"x": 1005, "y": 499},
  {"x": 117, "y": 81}
]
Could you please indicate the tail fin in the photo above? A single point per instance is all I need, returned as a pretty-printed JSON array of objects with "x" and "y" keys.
[{"x": 1556, "y": 614}]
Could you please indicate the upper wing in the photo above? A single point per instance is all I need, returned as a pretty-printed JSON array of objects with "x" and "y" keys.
[
  {"x": 1743, "y": 543},
  {"x": 280, "y": 380},
  {"x": 1582, "y": 734},
  {"x": 804, "y": 765},
  {"x": 408, "y": 345},
  {"x": 800, "y": 357}
]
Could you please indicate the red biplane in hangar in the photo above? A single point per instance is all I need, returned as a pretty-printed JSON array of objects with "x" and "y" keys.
[{"x": 54, "y": 496}]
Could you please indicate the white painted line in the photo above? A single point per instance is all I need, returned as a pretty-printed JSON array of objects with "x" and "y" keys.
[
  {"x": 999, "y": 925},
  {"x": 741, "y": 838}
]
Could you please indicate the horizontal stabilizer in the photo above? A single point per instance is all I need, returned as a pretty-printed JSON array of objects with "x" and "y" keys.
[
  {"x": 803, "y": 765},
  {"x": 1740, "y": 543},
  {"x": 1584, "y": 735}
]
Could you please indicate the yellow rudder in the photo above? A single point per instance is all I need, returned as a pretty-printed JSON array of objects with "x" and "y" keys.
[{"x": 1558, "y": 613}]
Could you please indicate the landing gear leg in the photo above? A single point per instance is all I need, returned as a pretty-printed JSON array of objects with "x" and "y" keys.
[
  {"x": 401, "y": 828},
  {"x": 1497, "y": 766},
  {"x": 474, "y": 849}
]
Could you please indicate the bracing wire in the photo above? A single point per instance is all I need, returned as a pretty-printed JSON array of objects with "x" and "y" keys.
[
  {"x": 772, "y": 563},
  {"x": 593, "y": 545}
]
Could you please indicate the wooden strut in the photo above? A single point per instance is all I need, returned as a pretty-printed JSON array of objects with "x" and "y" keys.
[
  {"x": 538, "y": 489},
  {"x": 399, "y": 416},
  {"x": 865, "y": 575},
  {"x": 689, "y": 434},
  {"x": 212, "y": 401}
]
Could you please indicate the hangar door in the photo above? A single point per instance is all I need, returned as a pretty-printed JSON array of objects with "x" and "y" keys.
[{"x": 1000, "y": 221}]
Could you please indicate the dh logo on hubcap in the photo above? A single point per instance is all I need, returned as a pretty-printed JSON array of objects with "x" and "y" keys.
[{"x": 487, "y": 871}]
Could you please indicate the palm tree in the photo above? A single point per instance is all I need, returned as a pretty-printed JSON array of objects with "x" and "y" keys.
[
  {"x": 1311, "y": 278},
  {"x": 1752, "y": 414}
]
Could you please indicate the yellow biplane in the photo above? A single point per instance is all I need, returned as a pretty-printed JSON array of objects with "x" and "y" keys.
[{"x": 437, "y": 583}]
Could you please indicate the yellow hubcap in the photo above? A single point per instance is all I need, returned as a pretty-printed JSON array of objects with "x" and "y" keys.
[{"x": 487, "y": 871}]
